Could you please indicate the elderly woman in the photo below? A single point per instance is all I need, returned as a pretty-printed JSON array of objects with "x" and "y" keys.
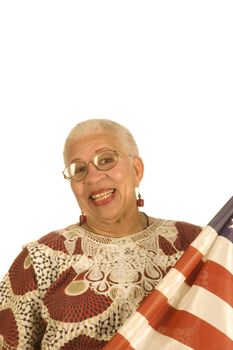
[{"x": 74, "y": 288}]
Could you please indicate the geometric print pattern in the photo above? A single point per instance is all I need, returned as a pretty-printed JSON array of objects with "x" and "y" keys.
[{"x": 73, "y": 289}]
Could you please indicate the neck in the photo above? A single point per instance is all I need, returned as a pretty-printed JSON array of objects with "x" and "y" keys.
[{"x": 119, "y": 228}]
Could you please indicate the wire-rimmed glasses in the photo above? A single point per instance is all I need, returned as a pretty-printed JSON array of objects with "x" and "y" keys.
[{"x": 102, "y": 160}]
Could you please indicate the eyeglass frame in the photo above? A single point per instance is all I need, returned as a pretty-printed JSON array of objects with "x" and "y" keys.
[{"x": 118, "y": 154}]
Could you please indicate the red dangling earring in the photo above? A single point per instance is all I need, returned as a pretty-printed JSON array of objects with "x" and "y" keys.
[
  {"x": 140, "y": 201},
  {"x": 82, "y": 219}
]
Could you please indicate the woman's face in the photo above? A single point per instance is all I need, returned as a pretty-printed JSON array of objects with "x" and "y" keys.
[{"x": 107, "y": 195}]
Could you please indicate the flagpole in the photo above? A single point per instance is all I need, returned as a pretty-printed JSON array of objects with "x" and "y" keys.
[{"x": 223, "y": 216}]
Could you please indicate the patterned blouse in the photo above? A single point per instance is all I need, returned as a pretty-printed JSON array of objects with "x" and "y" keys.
[{"x": 73, "y": 289}]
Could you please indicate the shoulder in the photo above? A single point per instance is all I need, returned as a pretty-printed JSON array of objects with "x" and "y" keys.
[
  {"x": 55, "y": 250},
  {"x": 56, "y": 240},
  {"x": 187, "y": 232},
  {"x": 180, "y": 233},
  {"x": 52, "y": 254}
]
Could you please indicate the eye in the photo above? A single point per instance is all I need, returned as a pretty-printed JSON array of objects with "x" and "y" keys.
[
  {"x": 106, "y": 160},
  {"x": 79, "y": 168}
]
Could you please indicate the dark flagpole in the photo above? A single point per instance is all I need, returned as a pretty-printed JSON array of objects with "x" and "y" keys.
[{"x": 221, "y": 219}]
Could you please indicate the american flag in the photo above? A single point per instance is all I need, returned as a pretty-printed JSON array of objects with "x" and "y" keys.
[{"x": 192, "y": 307}]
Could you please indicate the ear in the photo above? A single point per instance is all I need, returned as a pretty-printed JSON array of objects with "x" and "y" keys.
[{"x": 138, "y": 168}]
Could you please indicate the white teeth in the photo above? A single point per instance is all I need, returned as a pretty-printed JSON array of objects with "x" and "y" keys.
[{"x": 103, "y": 195}]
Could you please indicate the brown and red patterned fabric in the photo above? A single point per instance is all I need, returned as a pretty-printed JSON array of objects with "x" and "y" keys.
[{"x": 73, "y": 289}]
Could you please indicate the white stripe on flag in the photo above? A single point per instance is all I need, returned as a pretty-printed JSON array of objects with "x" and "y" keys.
[
  {"x": 222, "y": 253},
  {"x": 175, "y": 299},
  {"x": 171, "y": 283},
  {"x": 205, "y": 239},
  {"x": 146, "y": 337},
  {"x": 208, "y": 307}
]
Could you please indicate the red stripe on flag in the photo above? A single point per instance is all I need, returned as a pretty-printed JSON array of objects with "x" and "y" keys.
[
  {"x": 216, "y": 279},
  {"x": 153, "y": 306},
  {"x": 186, "y": 263},
  {"x": 192, "y": 331},
  {"x": 193, "y": 275}
]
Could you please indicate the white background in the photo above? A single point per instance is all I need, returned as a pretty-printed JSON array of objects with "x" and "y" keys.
[{"x": 162, "y": 68}]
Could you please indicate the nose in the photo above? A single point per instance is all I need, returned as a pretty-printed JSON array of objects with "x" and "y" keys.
[{"x": 94, "y": 175}]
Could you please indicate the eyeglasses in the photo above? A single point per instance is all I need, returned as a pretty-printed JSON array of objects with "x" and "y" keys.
[{"x": 103, "y": 160}]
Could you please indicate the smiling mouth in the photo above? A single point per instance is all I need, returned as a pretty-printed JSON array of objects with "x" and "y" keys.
[{"x": 102, "y": 195}]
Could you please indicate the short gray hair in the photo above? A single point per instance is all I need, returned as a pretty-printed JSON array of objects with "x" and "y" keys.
[{"x": 97, "y": 126}]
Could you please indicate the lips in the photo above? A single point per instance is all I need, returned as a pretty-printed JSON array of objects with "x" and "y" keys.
[{"x": 102, "y": 196}]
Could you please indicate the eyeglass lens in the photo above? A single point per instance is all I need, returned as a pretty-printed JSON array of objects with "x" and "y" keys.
[{"x": 104, "y": 160}]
